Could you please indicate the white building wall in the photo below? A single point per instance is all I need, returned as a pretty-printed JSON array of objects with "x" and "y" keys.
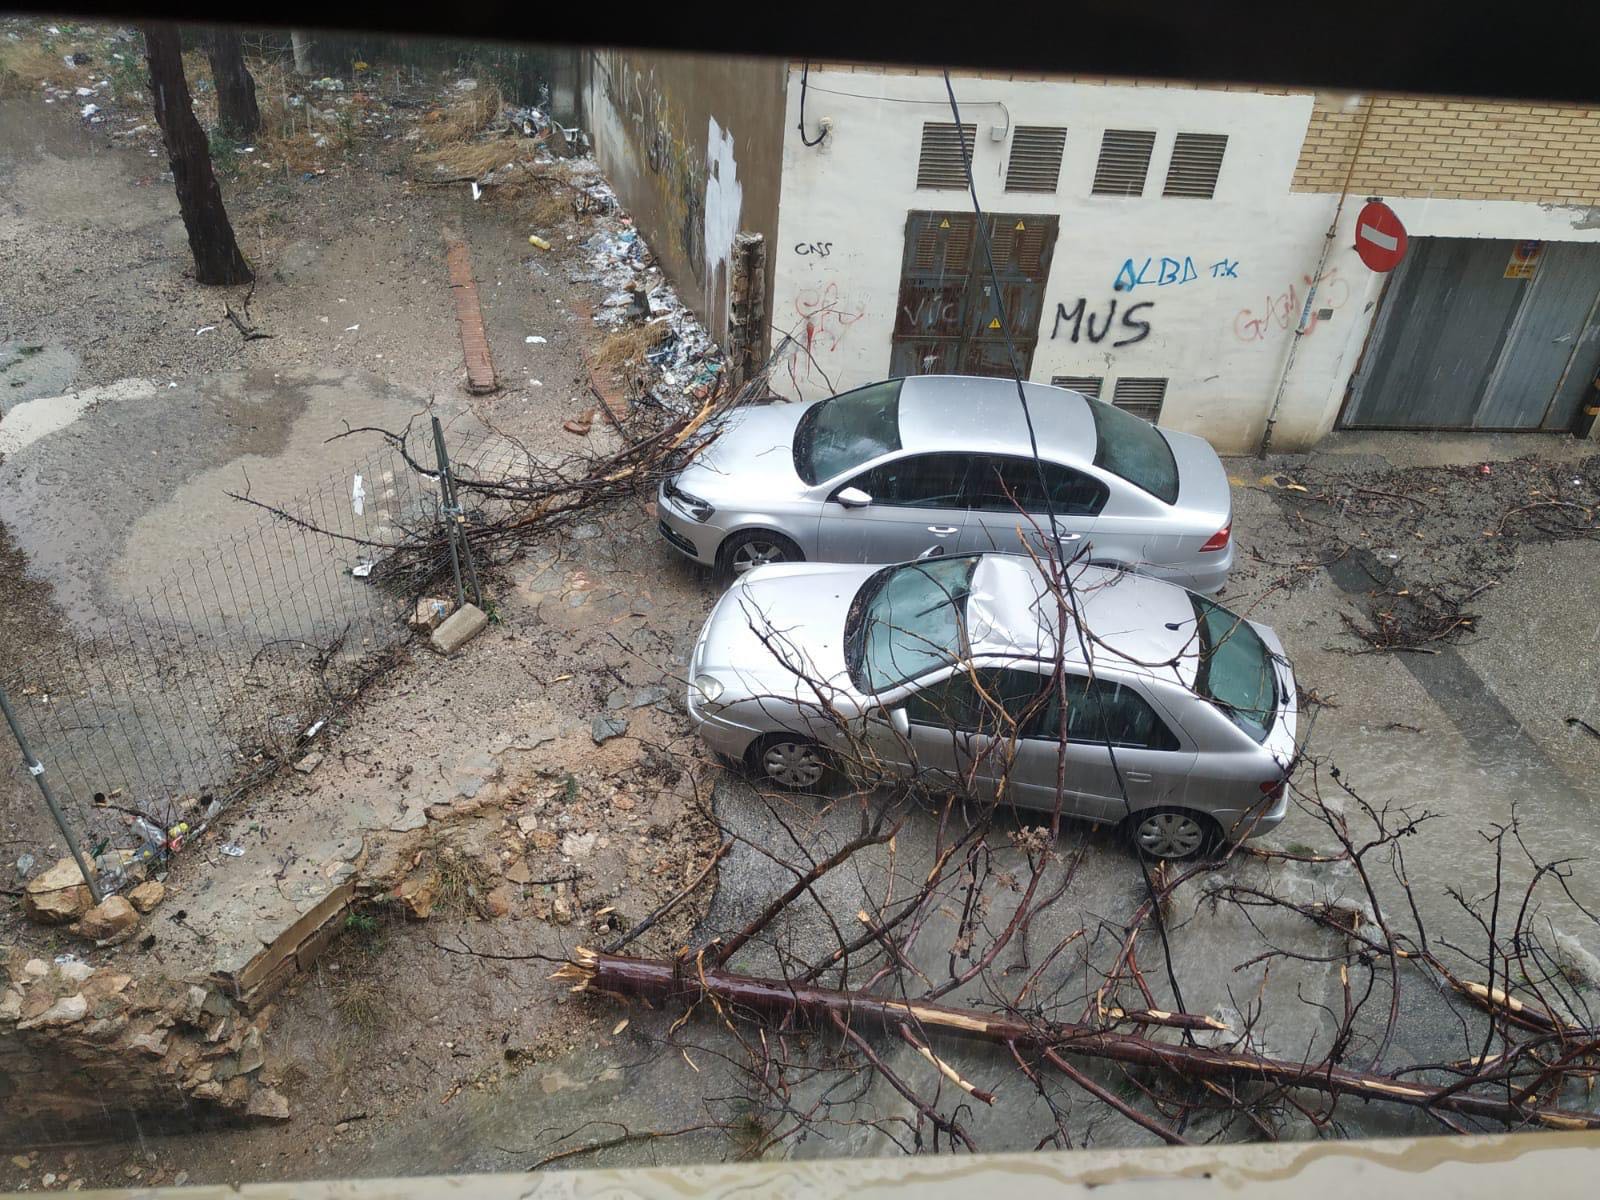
[{"x": 1221, "y": 337}]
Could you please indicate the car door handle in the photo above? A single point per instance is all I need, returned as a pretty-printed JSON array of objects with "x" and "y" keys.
[
  {"x": 931, "y": 552},
  {"x": 943, "y": 530},
  {"x": 1136, "y": 776},
  {"x": 1068, "y": 537}
]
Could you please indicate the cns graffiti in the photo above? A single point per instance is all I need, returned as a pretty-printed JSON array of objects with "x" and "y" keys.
[
  {"x": 1298, "y": 303},
  {"x": 1167, "y": 272},
  {"x": 816, "y": 249},
  {"x": 1085, "y": 322}
]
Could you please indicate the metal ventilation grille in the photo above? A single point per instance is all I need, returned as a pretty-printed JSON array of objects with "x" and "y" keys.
[
  {"x": 1124, "y": 162},
  {"x": 945, "y": 244},
  {"x": 1035, "y": 163},
  {"x": 1088, "y": 385},
  {"x": 1196, "y": 162},
  {"x": 1141, "y": 397},
  {"x": 941, "y": 164}
]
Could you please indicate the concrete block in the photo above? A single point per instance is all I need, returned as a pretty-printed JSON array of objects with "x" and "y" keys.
[{"x": 458, "y": 629}]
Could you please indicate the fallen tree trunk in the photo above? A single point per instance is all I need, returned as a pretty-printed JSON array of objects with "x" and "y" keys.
[{"x": 659, "y": 979}]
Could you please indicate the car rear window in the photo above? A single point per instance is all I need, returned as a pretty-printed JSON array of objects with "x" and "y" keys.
[
  {"x": 1236, "y": 672},
  {"x": 841, "y": 433},
  {"x": 1134, "y": 449}
]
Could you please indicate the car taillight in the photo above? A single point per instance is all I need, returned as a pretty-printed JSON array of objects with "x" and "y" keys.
[
  {"x": 1219, "y": 539},
  {"x": 1273, "y": 788}
]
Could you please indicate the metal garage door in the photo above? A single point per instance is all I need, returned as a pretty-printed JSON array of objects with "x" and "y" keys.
[{"x": 1466, "y": 339}]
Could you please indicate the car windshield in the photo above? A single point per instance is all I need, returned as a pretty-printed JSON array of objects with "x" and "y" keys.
[
  {"x": 1236, "y": 672},
  {"x": 840, "y": 434},
  {"x": 1131, "y": 447},
  {"x": 907, "y": 620}
]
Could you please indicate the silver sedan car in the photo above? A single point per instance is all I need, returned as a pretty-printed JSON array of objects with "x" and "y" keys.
[
  {"x": 943, "y": 465},
  {"x": 944, "y": 670}
]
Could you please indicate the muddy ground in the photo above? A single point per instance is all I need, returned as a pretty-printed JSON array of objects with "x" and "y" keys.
[{"x": 442, "y": 1044}]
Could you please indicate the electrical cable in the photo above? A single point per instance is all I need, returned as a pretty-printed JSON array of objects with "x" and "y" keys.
[
  {"x": 805, "y": 71},
  {"x": 1051, "y": 549}
]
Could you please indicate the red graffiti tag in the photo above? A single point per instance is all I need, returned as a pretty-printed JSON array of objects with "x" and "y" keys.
[{"x": 1283, "y": 310}]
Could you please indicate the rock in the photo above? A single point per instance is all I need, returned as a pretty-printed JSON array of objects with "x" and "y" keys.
[
  {"x": 106, "y": 920},
  {"x": 519, "y": 872},
  {"x": 562, "y": 910},
  {"x": 65, "y": 1011},
  {"x": 409, "y": 819},
  {"x": 585, "y": 532},
  {"x": 181, "y": 1178},
  {"x": 35, "y": 968},
  {"x": 526, "y": 824},
  {"x": 59, "y": 896},
  {"x": 617, "y": 699},
  {"x": 459, "y": 629},
  {"x": 251, "y": 1056},
  {"x": 497, "y": 902},
  {"x": 309, "y": 763},
  {"x": 578, "y": 845},
  {"x": 10, "y": 1005},
  {"x": 147, "y": 895},
  {"x": 645, "y": 697},
  {"x": 268, "y": 1105},
  {"x": 75, "y": 970},
  {"x": 154, "y": 1043},
  {"x": 603, "y": 729},
  {"x": 22, "y": 1161},
  {"x": 418, "y": 894},
  {"x": 430, "y": 613}
]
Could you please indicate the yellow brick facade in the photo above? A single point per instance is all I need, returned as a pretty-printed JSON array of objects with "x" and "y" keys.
[{"x": 1452, "y": 149}]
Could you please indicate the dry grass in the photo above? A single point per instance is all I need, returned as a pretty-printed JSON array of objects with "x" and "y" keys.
[
  {"x": 468, "y": 160},
  {"x": 24, "y": 65},
  {"x": 362, "y": 1003},
  {"x": 463, "y": 119},
  {"x": 621, "y": 355}
]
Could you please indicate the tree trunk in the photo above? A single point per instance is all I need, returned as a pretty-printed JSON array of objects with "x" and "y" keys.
[
  {"x": 778, "y": 999},
  {"x": 217, "y": 259},
  {"x": 301, "y": 44},
  {"x": 237, "y": 111}
]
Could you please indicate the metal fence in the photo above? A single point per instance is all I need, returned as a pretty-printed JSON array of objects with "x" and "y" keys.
[{"x": 229, "y": 667}]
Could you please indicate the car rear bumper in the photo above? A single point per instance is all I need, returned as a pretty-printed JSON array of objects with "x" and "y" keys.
[
  {"x": 1208, "y": 572},
  {"x": 1254, "y": 822}
]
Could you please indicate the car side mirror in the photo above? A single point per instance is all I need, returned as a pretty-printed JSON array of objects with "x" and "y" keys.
[
  {"x": 852, "y": 497},
  {"x": 899, "y": 721}
]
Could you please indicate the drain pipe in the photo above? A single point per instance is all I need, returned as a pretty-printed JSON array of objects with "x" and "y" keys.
[{"x": 1311, "y": 291}]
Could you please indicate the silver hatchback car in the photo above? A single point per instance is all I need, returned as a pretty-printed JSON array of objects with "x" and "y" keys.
[
  {"x": 942, "y": 465},
  {"x": 943, "y": 670}
]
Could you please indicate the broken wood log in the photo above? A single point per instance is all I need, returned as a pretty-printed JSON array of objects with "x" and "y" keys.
[{"x": 663, "y": 980}]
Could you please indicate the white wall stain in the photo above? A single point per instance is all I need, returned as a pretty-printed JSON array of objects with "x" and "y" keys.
[{"x": 724, "y": 202}]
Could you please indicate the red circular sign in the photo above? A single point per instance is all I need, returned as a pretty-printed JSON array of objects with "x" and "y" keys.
[{"x": 1380, "y": 238}]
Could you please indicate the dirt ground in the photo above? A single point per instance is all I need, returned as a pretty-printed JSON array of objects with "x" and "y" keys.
[{"x": 443, "y": 1044}]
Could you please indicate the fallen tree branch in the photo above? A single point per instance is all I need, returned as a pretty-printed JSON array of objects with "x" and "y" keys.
[{"x": 662, "y": 980}]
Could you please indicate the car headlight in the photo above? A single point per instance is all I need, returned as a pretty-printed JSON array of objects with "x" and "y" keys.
[
  {"x": 709, "y": 687},
  {"x": 697, "y": 508}
]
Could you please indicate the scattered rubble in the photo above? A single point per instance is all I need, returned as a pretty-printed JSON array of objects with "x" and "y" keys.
[
  {"x": 107, "y": 922},
  {"x": 59, "y": 896},
  {"x": 459, "y": 628}
]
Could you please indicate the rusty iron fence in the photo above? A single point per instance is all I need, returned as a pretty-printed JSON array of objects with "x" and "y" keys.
[{"x": 142, "y": 726}]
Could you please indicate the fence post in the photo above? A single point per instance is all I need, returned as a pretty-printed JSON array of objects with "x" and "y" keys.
[
  {"x": 36, "y": 769},
  {"x": 459, "y": 548}
]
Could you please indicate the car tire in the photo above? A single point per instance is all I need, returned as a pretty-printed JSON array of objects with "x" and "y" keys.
[
  {"x": 1174, "y": 834},
  {"x": 752, "y": 548},
  {"x": 790, "y": 761}
]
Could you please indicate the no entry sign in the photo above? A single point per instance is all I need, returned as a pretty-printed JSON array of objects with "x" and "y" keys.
[{"x": 1380, "y": 238}]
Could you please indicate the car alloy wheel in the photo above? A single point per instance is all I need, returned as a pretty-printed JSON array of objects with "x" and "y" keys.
[
  {"x": 757, "y": 553},
  {"x": 793, "y": 764},
  {"x": 1169, "y": 835}
]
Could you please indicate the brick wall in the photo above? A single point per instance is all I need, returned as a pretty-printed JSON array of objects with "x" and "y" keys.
[{"x": 1453, "y": 149}]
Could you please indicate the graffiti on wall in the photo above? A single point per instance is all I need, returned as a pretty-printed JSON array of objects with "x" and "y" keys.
[
  {"x": 815, "y": 249},
  {"x": 1167, "y": 271},
  {"x": 1293, "y": 307},
  {"x": 1084, "y": 323},
  {"x": 825, "y": 319},
  {"x": 676, "y": 162}
]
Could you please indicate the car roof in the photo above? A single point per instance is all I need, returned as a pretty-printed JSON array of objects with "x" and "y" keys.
[
  {"x": 1135, "y": 624},
  {"x": 973, "y": 413}
]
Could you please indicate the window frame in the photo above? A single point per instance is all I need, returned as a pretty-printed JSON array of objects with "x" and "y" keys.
[
  {"x": 1104, "y": 490},
  {"x": 856, "y": 480},
  {"x": 1172, "y": 743}
]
